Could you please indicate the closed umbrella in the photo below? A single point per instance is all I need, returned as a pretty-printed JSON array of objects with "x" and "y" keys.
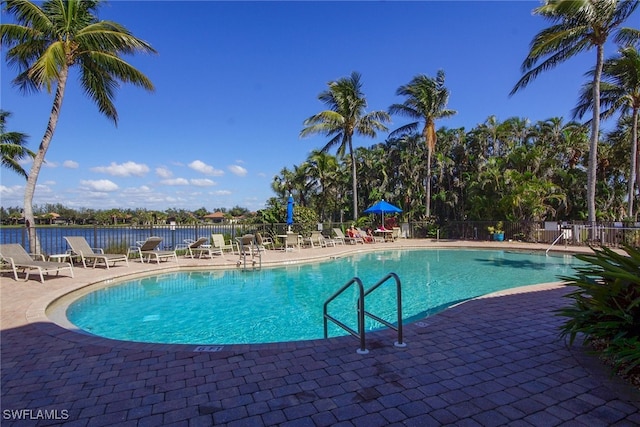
[
  {"x": 382, "y": 207},
  {"x": 290, "y": 211}
]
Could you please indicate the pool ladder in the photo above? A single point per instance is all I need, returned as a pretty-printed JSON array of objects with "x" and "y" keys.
[
  {"x": 361, "y": 312},
  {"x": 247, "y": 245}
]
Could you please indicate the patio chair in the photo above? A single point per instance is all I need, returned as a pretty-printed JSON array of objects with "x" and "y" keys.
[
  {"x": 247, "y": 245},
  {"x": 218, "y": 242},
  {"x": 314, "y": 240},
  {"x": 149, "y": 248},
  {"x": 264, "y": 242},
  {"x": 292, "y": 242},
  {"x": 15, "y": 255},
  {"x": 347, "y": 239},
  {"x": 325, "y": 242},
  {"x": 197, "y": 247},
  {"x": 396, "y": 233},
  {"x": 80, "y": 247},
  {"x": 338, "y": 236}
]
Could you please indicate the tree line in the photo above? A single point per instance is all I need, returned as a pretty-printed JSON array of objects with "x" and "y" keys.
[{"x": 48, "y": 39}]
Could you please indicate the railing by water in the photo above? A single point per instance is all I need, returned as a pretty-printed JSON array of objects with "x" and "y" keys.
[
  {"x": 362, "y": 312},
  {"x": 117, "y": 238}
]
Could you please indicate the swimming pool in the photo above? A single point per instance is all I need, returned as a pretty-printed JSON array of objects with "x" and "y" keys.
[{"x": 286, "y": 303}]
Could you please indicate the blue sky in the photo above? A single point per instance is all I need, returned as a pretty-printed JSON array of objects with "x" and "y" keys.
[{"x": 235, "y": 81}]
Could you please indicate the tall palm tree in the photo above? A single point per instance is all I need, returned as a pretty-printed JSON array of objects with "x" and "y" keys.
[
  {"x": 426, "y": 100},
  {"x": 46, "y": 42},
  {"x": 578, "y": 26},
  {"x": 12, "y": 146},
  {"x": 345, "y": 117},
  {"x": 619, "y": 91}
]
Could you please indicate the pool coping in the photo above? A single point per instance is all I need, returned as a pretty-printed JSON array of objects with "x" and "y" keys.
[{"x": 37, "y": 312}]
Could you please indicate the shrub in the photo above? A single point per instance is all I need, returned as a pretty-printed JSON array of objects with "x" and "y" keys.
[{"x": 606, "y": 306}]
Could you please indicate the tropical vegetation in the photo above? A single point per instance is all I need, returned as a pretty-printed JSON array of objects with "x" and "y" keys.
[
  {"x": 579, "y": 25},
  {"x": 605, "y": 307},
  {"x": 345, "y": 117},
  {"x": 426, "y": 100},
  {"x": 46, "y": 42},
  {"x": 13, "y": 146}
]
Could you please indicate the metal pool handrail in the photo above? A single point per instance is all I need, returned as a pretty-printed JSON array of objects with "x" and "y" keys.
[{"x": 360, "y": 333}]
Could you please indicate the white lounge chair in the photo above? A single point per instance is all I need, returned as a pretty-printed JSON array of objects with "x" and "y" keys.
[
  {"x": 325, "y": 242},
  {"x": 315, "y": 240},
  {"x": 149, "y": 248},
  {"x": 80, "y": 247},
  {"x": 338, "y": 236},
  {"x": 15, "y": 255},
  {"x": 347, "y": 239},
  {"x": 198, "y": 247}
]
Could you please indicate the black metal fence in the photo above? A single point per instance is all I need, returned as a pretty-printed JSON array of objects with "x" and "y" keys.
[{"x": 117, "y": 239}]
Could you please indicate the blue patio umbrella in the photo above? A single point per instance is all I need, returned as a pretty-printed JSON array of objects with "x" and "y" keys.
[
  {"x": 382, "y": 207},
  {"x": 290, "y": 211}
]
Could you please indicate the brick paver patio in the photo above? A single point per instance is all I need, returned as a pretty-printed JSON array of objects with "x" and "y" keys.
[{"x": 488, "y": 362}]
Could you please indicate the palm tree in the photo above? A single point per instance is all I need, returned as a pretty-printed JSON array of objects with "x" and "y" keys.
[
  {"x": 578, "y": 26},
  {"x": 46, "y": 42},
  {"x": 426, "y": 100},
  {"x": 619, "y": 91},
  {"x": 345, "y": 117},
  {"x": 12, "y": 146}
]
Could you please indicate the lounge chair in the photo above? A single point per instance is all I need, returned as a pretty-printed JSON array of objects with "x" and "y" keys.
[
  {"x": 149, "y": 248},
  {"x": 338, "y": 236},
  {"x": 197, "y": 247},
  {"x": 325, "y": 242},
  {"x": 217, "y": 241},
  {"x": 15, "y": 255},
  {"x": 80, "y": 247},
  {"x": 314, "y": 240},
  {"x": 366, "y": 238},
  {"x": 347, "y": 239}
]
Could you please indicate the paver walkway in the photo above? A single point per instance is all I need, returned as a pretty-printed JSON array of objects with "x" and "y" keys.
[{"x": 488, "y": 362}]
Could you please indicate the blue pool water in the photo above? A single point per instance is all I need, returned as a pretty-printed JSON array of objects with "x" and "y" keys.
[{"x": 286, "y": 303}]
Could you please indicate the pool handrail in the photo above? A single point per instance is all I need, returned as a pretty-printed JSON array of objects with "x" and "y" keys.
[
  {"x": 358, "y": 334},
  {"x": 398, "y": 328}
]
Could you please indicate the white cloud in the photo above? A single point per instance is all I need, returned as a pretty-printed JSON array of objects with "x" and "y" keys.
[
  {"x": 175, "y": 181},
  {"x": 203, "y": 182},
  {"x": 143, "y": 189},
  {"x": 70, "y": 164},
  {"x": 124, "y": 169},
  {"x": 237, "y": 170},
  {"x": 204, "y": 168},
  {"x": 101, "y": 185},
  {"x": 222, "y": 193},
  {"x": 10, "y": 191},
  {"x": 163, "y": 172}
]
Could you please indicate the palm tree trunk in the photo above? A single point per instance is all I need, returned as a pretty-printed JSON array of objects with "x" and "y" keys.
[
  {"x": 632, "y": 168},
  {"x": 593, "y": 143},
  {"x": 427, "y": 187},
  {"x": 30, "y": 188},
  {"x": 634, "y": 161},
  {"x": 354, "y": 181}
]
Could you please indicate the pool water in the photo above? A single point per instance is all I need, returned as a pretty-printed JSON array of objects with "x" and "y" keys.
[{"x": 286, "y": 303}]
